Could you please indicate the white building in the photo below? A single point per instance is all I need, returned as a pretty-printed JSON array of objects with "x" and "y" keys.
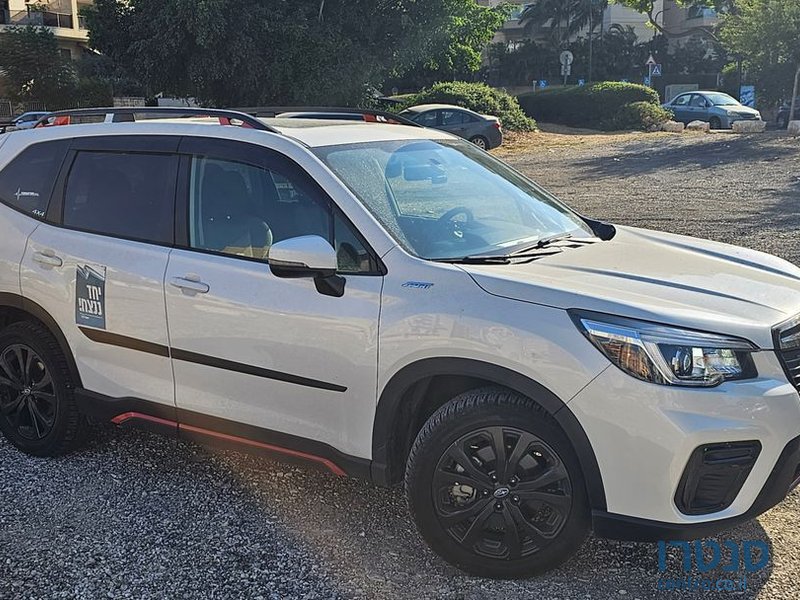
[{"x": 62, "y": 17}]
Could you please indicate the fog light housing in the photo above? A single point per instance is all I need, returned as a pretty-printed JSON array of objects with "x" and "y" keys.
[{"x": 714, "y": 476}]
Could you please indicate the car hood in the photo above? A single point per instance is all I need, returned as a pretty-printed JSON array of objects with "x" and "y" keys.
[
  {"x": 660, "y": 277},
  {"x": 738, "y": 109}
]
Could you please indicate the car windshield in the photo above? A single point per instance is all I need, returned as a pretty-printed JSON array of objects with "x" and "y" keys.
[
  {"x": 722, "y": 100},
  {"x": 447, "y": 199}
]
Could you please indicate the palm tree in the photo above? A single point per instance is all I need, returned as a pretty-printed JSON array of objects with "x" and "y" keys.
[{"x": 563, "y": 19}]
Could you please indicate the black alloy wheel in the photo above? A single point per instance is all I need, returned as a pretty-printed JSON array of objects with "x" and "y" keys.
[
  {"x": 495, "y": 487},
  {"x": 27, "y": 396},
  {"x": 38, "y": 413},
  {"x": 502, "y": 493}
]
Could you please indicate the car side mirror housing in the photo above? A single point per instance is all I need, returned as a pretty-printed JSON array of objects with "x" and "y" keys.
[{"x": 308, "y": 256}]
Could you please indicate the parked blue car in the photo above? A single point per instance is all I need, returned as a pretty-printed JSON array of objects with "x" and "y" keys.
[{"x": 718, "y": 109}]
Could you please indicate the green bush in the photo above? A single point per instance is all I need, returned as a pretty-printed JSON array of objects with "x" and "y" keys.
[
  {"x": 638, "y": 115},
  {"x": 597, "y": 106},
  {"x": 478, "y": 97}
]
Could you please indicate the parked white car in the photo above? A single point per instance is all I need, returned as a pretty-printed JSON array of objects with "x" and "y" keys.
[{"x": 393, "y": 303}]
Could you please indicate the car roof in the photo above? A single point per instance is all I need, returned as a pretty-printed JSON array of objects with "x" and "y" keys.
[
  {"x": 308, "y": 132},
  {"x": 425, "y": 107}
]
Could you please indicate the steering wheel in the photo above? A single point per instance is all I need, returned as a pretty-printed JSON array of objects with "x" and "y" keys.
[{"x": 448, "y": 217}]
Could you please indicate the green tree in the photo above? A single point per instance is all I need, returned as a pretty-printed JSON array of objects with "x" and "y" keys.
[
  {"x": 458, "y": 53},
  {"x": 32, "y": 67},
  {"x": 234, "y": 52},
  {"x": 767, "y": 34},
  {"x": 470, "y": 29}
]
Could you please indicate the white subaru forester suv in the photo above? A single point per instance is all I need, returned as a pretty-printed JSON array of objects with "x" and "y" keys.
[{"x": 393, "y": 303}]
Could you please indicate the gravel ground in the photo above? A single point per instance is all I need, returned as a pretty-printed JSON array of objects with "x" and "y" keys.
[{"x": 139, "y": 516}]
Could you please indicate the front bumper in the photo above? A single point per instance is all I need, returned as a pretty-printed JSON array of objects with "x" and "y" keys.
[
  {"x": 783, "y": 479},
  {"x": 643, "y": 436}
]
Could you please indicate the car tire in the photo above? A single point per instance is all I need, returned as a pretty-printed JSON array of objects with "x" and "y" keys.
[
  {"x": 506, "y": 516},
  {"x": 38, "y": 413},
  {"x": 715, "y": 123},
  {"x": 480, "y": 141}
]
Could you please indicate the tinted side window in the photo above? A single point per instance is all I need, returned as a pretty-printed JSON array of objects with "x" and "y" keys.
[
  {"x": 123, "y": 195},
  {"x": 27, "y": 181},
  {"x": 241, "y": 210},
  {"x": 452, "y": 117},
  {"x": 428, "y": 119}
]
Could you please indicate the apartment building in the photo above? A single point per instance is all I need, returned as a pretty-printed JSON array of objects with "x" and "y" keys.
[
  {"x": 677, "y": 20},
  {"x": 61, "y": 16}
]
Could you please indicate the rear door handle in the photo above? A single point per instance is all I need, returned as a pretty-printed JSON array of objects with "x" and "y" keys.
[
  {"x": 190, "y": 283},
  {"x": 47, "y": 258}
]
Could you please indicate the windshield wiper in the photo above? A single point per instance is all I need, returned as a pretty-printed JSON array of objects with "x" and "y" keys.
[
  {"x": 541, "y": 248},
  {"x": 499, "y": 259},
  {"x": 543, "y": 243}
]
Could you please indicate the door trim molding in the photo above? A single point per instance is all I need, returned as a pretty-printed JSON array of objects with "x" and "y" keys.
[{"x": 121, "y": 341}]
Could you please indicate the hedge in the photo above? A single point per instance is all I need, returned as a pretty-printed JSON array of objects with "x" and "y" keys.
[
  {"x": 639, "y": 115},
  {"x": 607, "y": 105},
  {"x": 478, "y": 97}
]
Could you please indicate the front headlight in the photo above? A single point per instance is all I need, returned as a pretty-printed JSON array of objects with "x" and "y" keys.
[{"x": 667, "y": 355}]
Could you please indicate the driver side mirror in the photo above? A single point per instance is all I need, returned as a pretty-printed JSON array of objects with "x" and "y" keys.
[{"x": 308, "y": 256}]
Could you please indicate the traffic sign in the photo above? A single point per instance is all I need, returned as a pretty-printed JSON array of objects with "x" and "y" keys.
[
  {"x": 650, "y": 61},
  {"x": 656, "y": 70},
  {"x": 581, "y": 82},
  {"x": 566, "y": 57},
  {"x": 647, "y": 81},
  {"x": 566, "y": 70},
  {"x": 543, "y": 83}
]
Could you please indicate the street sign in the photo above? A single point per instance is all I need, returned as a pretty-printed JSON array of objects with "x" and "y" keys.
[
  {"x": 543, "y": 83},
  {"x": 650, "y": 61},
  {"x": 566, "y": 57},
  {"x": 566, "y": 70},
  {"x": 647, "y": 81},
  {"x": 747, "y": 95},
  {"x": 656, "y": 70},
  {"x": 581, "y": 82}
]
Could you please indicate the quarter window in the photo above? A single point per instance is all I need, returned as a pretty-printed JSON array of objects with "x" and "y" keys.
[
  {"x": 241, "y": 210},
  {"x": 27, "y": 181},
  {"x": 127, "y": 195},
  {"x": 682, "y": 100}
]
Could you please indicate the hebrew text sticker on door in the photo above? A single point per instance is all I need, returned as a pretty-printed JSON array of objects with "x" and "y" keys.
[{"x": 90, "y": 296}]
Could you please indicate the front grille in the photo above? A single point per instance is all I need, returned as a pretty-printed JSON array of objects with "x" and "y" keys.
[{"x": 790, "y": 359}]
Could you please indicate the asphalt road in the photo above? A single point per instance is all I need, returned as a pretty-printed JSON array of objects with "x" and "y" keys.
[{"x": 134, "y": 515}]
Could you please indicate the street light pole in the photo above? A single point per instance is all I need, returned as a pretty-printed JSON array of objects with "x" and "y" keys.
[
  {"x": 794, "y": 94},
  {"x": 591, "y": 38}
]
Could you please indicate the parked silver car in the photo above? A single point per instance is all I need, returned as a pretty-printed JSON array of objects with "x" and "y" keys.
[
  {"x": 718, "y": 109},
  {"x": 25, "y": 120},
  {"x": 484, "y": 131}
]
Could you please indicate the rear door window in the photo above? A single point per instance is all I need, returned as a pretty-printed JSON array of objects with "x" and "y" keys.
[
  {"x": 126, "y": 195},
  {"x": 428, "y": 119},
  {"x": 27, "y": 181}
]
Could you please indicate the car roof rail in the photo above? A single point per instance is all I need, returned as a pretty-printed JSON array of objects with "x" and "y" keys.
[
  {"x": 368, "y": 114},
  {"x": 128, "y": 115}
]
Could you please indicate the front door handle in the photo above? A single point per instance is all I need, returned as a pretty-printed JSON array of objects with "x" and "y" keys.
[
  {"x": 190, "y": 283},
  {"x": 47, "y": 258}
]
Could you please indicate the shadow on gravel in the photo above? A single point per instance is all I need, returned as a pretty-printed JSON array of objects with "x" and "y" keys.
[
  {"x": 139, "y": 516},
  {"x": 644, "y": 157},
  {"x": 366, "y": 536}
]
